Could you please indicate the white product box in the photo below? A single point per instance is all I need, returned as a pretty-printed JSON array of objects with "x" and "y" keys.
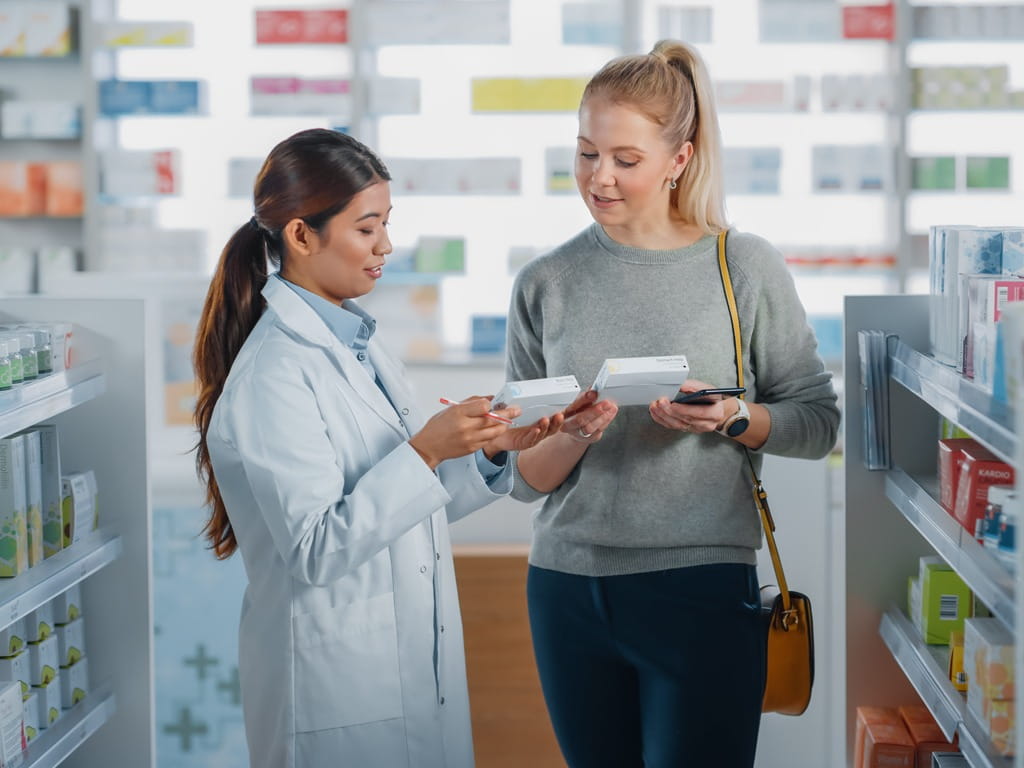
[
  {"x": 94, "y": 494},
  {"x": 43, "y": 661},
  {"x": 67, "y": 606},
  {"x": 49, "y": 472},
  {"x": 393, "y": 96},
  {"x": 641, "y": 380},
  {"x": 538, "y": 397},
  {"x": 33, "y": 498},
  {"x": 15, "y": 669},
  {"x": 53, "y": 263},
  {"x": 13, "y": 503},
  {"x": 127, "y": 34},
  {"x": 70, "y": 642},
  {"x": 74, "y": 683},
  {"x": 48, "y": 702},
  {"x": 13, "y": 638},
  {"x": 39, "y": 623},
  {"x": 40, "y": 120},
  {"x": 12, "y": 726},
  {"x": 17, "y": 266},
  {"x": 30, "y": 711},
  {"x": 47, "y": 29},
  {"x": 133, "y": 173},
  {"x": 76, "y": 507},
  {"x": 12, "y": 29}
]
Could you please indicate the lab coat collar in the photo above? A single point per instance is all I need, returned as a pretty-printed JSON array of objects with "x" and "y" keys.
[{"x": 302, "y": 320}]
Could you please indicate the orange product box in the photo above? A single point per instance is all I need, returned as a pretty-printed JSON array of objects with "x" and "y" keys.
[
  {"x": 64, "y": 189},
  {"x": 866, "y": 716},
  {"x": 979, "y": 470},
  {"x": 22, "y": 188},
  {"x": 925, "y": 733},
  {"x": 888, "y": 745},
  {"x": 951, "y": 457},
  {"x": 1002, "y": 726},
  {"x": 295, "y": 26}
]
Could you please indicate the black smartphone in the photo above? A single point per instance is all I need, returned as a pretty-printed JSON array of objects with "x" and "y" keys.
[{"x": 708, "y": 396}]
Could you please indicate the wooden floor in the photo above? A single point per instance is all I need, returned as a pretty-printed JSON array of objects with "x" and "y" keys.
[{"x": 510, "y": 724}]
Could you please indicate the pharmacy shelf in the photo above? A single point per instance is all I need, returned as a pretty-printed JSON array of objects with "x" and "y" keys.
[
  {"x": 976, "y": 747},
  {"x": 35, "y": 401},
  {"x": 983, "y": 573},
  {"x": 956, "y": 398},
  {"x": 43, "y": 582},
  {"x": 77, "y": 724}
]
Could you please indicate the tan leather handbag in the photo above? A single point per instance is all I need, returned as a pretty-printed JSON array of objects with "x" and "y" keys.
[{"x": 786, "y": 615}]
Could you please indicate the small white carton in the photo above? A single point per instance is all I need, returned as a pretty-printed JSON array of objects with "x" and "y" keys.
[
  {"x": 74, "y": 683},
  {"x": 31, "y": 714},
  {"x": 641, "y": 380},
  {"x": 39, "y": 623},
  {"x": 13, "y": 638},
  {"x": 33, "y": 498},
  {"x": 71, "y": 642},
  {"x": 537, "y": 397},
  {"x": 43, "y": 661},
  {"x": 13, "y": 502},
  {"x": 67, "y": 606},
  {"x": 12, "y": 726},
  {"x": 49, "y": 464},
  {"x": 77, "y": 510},
  {"x": 15, "y": 669},
  {"x": 48, "y": 702}
]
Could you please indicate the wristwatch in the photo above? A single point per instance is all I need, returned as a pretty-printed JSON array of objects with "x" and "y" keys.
[{"x": 737, "y": 424}]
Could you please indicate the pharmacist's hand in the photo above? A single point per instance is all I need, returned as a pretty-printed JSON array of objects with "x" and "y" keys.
[
  {"x": 690, "y": 417},
  {"x": 460, "y": 430},
  {"x": 522, "y": 438},
  {"x": 587, "y": 420}
]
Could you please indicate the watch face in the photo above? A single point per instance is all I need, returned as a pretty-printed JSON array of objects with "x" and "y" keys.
[{"x": 738, "y": 427}]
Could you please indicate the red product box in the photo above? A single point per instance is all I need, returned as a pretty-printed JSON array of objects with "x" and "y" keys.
[
  {"x": 925, "y": 733},
  {"x": 888, "y": 745},
  {"x": 22, "y": 188},
  {"x": 951, "y": 457},
  {"x": 869, "y": 22},
  {"x": 979, "y": 470},
  {"x": 64, "y": 189},
  {"x": 870, "y": 716},
  {"x": 290, "y": 27}
]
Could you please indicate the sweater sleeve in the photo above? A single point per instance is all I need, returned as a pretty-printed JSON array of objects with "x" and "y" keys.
[{"x": 791, "y": 379}]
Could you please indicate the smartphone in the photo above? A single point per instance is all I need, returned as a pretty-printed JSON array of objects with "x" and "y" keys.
[{"x": 708, "y": 396}]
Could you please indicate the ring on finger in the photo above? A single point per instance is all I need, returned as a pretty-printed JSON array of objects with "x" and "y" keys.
[{"x": 584, "y": 435}]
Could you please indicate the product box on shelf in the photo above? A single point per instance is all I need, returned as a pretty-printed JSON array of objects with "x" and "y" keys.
[
  {"x": 537, "y": 398},
  {"x": 982, "y": 300},
  {"x": 48, "y": 702},
  {"x": 39, "y": 623},
  {"x": 641, "y": 380},
  {"x": 22, "y": 188},
  {"x": 979, "y": 470},
  {"x": 13, "y": 507},
  {"x": 12, "y": 725},
  {"x": 955, "y": 668},
  {"x": 77, "y": 507},
  {"x": 30, "y": 711},
  {"x": 867, "y": 715},
  {"x": 49, "y": 453},
  {"x": 40, "y": 119},
  {"x": 12, "y": 29},
  {"x": 16, "y": 669},
  {"x": 13, "y": 638},
  {"x": 123, "y": 97},
  {"x": 950, "y": 460},
  {"x": 301, "y": 26},
  {"x": 945, "y": 600},
  {"x": 71, "y": 642},
  {"x": 175, "y": 97},
  {"x": 17, "y": 269},
  {"x": 134, "y": 173},
  {"x": 157, "y": 34},
  {"x": 887, "y": 745},
  {"x": 64, "y": 188},
  {"x": 1002, "y": 725},
  {"x": 33, "y": 498},
  {"x": 988, "y": 659},
  {"x": 48, "y": 29},
  {"x": 67, "y": 606},
  {"x": 74, "y": 683},
  {"x": 43, "y": 661},
  {"x": 924, "y": 732}
]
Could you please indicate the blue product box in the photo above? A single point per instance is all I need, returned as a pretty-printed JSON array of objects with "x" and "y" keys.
[
  {"x": 980, "y": 251},
  {"x": 488, "y": 334},
  {"x": 123, "y": 97},
  {"x": 174, "y": 97},
  {"x": 1013, "y": 251}
]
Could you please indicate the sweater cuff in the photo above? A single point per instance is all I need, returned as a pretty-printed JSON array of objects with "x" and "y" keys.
[{"x": 522, "y": 490}]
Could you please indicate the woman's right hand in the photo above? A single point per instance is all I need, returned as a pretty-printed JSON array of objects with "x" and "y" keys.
[
  {"x": 459, "y": 430},
  {"x": 587, "y": 420}
]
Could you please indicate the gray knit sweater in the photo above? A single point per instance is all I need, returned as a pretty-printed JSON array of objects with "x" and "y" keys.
[{"x": 645, "y": 497}]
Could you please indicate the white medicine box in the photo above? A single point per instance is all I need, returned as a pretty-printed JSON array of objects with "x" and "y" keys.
[
  {"x": 43, "y": 661},
  {"x": 537, "y": 397},
  {"x": 641, "y": 380},
  {"x": 71, "y": 642},
  {"x": 48, "y": 702},
  {"x": 39, "y": 623},
  {"x": 13, "y": 638},
  {"x": 67, "y": 606},
  {"x": 12, "y": 726},
  {"x": 74, "y": 683}
]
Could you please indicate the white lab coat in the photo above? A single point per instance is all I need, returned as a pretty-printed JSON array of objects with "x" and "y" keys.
[{"x": 350, "y": 644}]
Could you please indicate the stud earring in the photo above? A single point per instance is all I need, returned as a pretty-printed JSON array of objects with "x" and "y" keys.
[{"x": 672, "y": 184}]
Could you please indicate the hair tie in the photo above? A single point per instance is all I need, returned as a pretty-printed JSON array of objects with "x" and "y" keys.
[{"x": 255, "y": 224}]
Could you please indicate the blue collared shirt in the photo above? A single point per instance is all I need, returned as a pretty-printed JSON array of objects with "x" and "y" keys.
[{"x": 353, "y": 327}]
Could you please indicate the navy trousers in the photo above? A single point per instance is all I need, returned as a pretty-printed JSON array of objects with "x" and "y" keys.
[{"x": 651, "y": 670}]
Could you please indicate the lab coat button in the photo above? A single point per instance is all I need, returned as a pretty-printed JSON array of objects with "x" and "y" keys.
[
  {"x": 361, "y": 356},
  {"x": 438, "y": 554},
  {"x": 423, "y": 569},
  {"x": 442, "y": 701},
  {"x": 405, "y": 411},
  {"x": 442, "y": 627}
]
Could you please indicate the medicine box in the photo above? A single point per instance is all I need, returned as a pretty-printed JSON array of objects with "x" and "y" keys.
[
  {"x": 641, "y": 380},
  {"x": 13, "y": 533},
  {"x": 76, "y": 508},
  {"x": 537, "y": 397},
  {"x": 39, "y": 623},
  {"x": 48, "y": 29},
  {"x": 70, "y": 642},
  {"x": 67, "y": 606},
  {"x": 175, "y": 97},
  {"x": 33, "y": 498},
  {"x": 16, "y": 669},
  {"x": 924, "y": 732},
  {"x": 945, "y": 600},
  {"x": 123, "y": 97},
  {"x": 49, "y": 466},
  {"x": 870, "y": 715},
  {"x": 1002, "y": 725},
  {"x": 74, "y": 683},
  {"x": 43, "y": 661},
  {"x": 12, "y": 726},
  {"x": 988, "y": 662},
  {"x": 48, "y": 702},
  {"x": 30, "y": 711},
  {"x": 950, "y": 459},
  {"x": 979, "y": 470},
  {"x": 13, "y": 638},
  {"x": 955, "y": 670},
  {"x": 887, "y": 745}
]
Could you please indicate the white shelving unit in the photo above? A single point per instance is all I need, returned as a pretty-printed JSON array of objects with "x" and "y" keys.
[
  {"x": 892, "y": 518},
  {"x": 99, "y": 407}
]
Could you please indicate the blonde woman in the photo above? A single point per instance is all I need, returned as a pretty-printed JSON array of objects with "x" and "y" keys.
[{"x": 643, "y": 593}]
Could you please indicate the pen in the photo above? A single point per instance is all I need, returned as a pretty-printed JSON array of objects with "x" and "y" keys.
[{"x": 489, "y": 414}]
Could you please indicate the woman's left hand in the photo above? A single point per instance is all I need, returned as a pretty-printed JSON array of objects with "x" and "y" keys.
[
  {"x": 522, "y": 438},
  {"x": 689, "y": 417}
]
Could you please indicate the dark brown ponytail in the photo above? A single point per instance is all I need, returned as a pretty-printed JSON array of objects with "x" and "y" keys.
[{"x": 312, "y": 176}]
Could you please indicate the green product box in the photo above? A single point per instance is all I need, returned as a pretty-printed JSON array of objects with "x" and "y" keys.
[
  {"x": 13, "y": 502},
  {"x": 33, "y": 498},
  {"x": 988, "y": 172},
  {"x": 440, "y": 254},
  {"x": 933, "y": 172},
  {"x": 49, "y": 452},
  {"x": 949, "y": 429},
  {"x": 945, "y": 600}
]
